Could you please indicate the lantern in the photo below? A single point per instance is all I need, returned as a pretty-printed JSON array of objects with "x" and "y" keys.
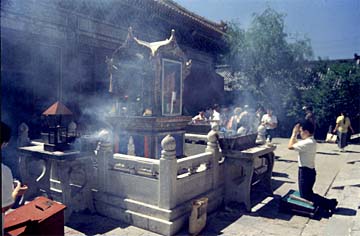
[{"x": 57, "y": 134}]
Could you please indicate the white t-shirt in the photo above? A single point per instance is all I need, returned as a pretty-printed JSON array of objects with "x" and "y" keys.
[
  {"x": 269, "y": 119},
  {"x": 307, "y": 152},
  {"x": 216, "y": 116},
  {"x": 7, "y": 188}
]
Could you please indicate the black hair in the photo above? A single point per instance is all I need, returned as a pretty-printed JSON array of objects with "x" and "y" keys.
[
  {"x": 216, "y": 106},
  {"x": 307, "y": 125},
  {"x": 5, "y": 133},
  {"x": 344, "y": 113}
]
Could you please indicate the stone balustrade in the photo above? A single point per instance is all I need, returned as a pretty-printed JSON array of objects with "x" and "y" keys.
[
  {"x": 152, "y": 194},
  {"x": 157, "y": 194},
  {"x": 135, "y": 165}
]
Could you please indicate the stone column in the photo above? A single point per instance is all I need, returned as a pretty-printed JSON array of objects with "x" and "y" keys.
[
  {"x": 213, "y": 147},
  {"x": 104, "y": 154},
  {"x": 167, "y": 173}
]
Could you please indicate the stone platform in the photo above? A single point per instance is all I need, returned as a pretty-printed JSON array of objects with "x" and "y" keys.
[{"x": 338, "y": 176}]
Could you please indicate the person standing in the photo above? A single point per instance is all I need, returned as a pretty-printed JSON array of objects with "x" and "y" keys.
[
  {"x": 215, "y": 117},
  {"x": 259, "y": 114},
  {"x": 234, "y": 120},
  {"x": 199, "y": 117},
  {"x": 306, "y": 160},
  {"x": 8, "y": 192},
  {"x": 342, "y": 127},
  {"x": 309, "y": 115},
  {"x": 270, "y": 122}
]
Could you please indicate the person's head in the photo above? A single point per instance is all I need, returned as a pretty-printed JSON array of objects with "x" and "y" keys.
[
  {"x": 306, "y": 129},
  {"x": 237, "y": 111},
  {"x": 201, "y": 113},
  {"x": 216, "y": 107},
  {"x": 307, "y": 109},
  {"x": 260, "y": 109},
  {"x": 269, "y": 111},
  {"x": 5, "y": 134},
  {"x": 343, "y": 113}
]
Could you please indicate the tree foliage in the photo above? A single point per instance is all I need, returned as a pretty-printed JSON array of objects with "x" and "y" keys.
[
  {"x": 276, "y": 71},
  {"x": 335, "y": 88},
  {"x": 267, "y": 64}
]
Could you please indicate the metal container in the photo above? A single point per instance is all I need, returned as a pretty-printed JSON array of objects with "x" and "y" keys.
[{"x": 237, "y": 142}]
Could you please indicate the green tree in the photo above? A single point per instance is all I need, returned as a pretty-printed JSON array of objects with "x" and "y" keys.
[
  {"x": 268, "y": 65},
  {"x": 335, "y": 87}
]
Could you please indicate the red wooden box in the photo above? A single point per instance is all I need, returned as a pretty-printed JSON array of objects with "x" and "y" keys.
[{"x": 41, "y": 216}]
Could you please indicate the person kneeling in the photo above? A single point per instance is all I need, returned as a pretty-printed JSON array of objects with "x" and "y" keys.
[{"x": 306, "y": 160}]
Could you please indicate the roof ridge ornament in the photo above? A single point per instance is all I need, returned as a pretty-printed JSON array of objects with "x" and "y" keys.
[{"x": 154, "y": 46}]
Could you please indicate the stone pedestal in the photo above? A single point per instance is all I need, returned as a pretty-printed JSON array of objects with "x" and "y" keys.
[
  {"x": 61, "y": 176},
  {"x": 245, "y": 168}
]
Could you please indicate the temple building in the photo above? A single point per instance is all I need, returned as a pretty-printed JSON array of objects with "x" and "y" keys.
[{"x": 56, "y": 50}]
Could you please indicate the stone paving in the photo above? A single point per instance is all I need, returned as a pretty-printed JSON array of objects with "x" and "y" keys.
[{"x": 338, "y": 176}]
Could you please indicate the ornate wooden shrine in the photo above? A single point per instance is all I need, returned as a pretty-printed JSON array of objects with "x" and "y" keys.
[{"x": 146, "y": 81}]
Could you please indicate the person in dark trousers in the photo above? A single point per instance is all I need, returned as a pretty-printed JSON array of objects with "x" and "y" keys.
[
  {"x": 306, "y": 159},
  {"x": 270, "y": 122},
  {"x": 343, "y": 125}
]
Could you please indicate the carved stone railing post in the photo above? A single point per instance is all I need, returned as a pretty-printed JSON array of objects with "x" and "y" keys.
[
  {"x": 131, "y": 147},
  {"x": 23, "y": 135},
  {"x": 167, "y": 173},
  {"x": 213, "y": 147},
  {"x": 104, "y": 153}
]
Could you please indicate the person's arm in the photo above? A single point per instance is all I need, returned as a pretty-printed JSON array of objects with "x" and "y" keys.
[
  {"x": 336, "y": 127},
  {"x": 293, "y": 138},
  {"x": 262, "y": 121},
  {"x": 351, "y": 128},
  {"x": 18, "y": 191},
  {"x": 273, "y": 125}
]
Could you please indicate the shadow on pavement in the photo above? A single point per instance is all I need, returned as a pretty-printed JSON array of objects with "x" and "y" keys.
[
  {"x": 230, "y": 213},
  {"x": 271, "y": 210},
  {"x": 92, "y": 224},
  {"x": 349, "y": 151},
  {"x": 277, "y": 183},
  {"x": 278, "y": 174},
  {"x": 328, "y": 153},
  {"x": 221, "y": 219},
  {"x": 284, "y": 160},
  {"x": 345, "y": 211},
  {"x": 353, "y": 162}
]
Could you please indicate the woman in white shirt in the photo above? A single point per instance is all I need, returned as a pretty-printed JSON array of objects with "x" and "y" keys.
[{"x": 9, "y": 193}]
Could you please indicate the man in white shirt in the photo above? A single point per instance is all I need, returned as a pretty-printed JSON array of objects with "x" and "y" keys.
[
  {"x": 215, "y": 117},
  {"x": 270, "y": 122},
  {"x": 306, "y": 159}
]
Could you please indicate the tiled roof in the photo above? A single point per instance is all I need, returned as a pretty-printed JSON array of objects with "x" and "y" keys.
[
  {"x": 166, "y": 8},
  {"x": 57, "y": 109},
  {"x": 218, "y": 27}
]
